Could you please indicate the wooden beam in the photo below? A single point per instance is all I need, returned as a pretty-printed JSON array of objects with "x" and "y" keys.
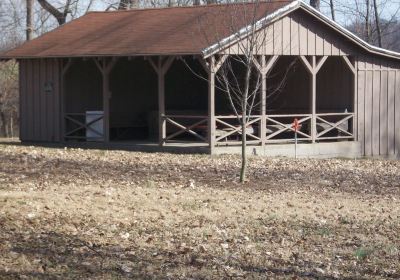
[
  {"x": 167, "y": 64},
  {"x": 263, "y": 130},
  {"x": 161, "y": 68},
  {"x": 106, "y": 107},
  {"x": 211, "y": 105},
  {"x": 320, "y": 63},
  {"x": 105, "y": 68},
  {"x": 257, "y": 64},
  {"x": 99, "y": 65},
  {"x": 267, "y": 66},
  {"x": 66, "y": 67},
  {"x": 205, "y": 64},
  {"x": 313, "y": 98},
  {"x": 307, "y": 64},
  {"x": 271, "y": 62},
  {"x": 219, "y": 63},
  {"x": 154, "y": 65},
  {"x": 111, "y": 64},
  {"x": 349, "y": 64},
  {"x": 162, "y": 125}
]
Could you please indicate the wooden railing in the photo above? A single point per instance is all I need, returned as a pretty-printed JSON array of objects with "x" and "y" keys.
[
  {"x": 279, "y": 128},
  {"x": 229, "y": 130},
  {"x": 335, "y": 126},
  {"x": 178, "y": 127},
  {"x": 76, "y": 127}
]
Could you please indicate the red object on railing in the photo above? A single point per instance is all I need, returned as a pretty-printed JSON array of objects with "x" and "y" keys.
[{"x": 296, "y": 125}]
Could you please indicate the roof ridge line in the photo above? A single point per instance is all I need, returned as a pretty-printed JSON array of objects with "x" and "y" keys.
[{"x": 193, "y": 6}]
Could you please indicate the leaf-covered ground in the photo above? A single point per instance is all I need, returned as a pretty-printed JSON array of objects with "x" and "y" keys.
[{"x": 93, "y": 214}]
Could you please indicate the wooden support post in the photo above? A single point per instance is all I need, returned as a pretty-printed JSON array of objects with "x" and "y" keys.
[
  {"x": 313, "y": 99},
  {"x": 63, "y": 71},
  {"x": 161, "y": 68},
  {"x": 264, "y": 69},
  {"x": 313, "y": 69},
  {"x": 211, "y": 105},
  {"x": 353, "y": 69},
  {"x": 106, "y": 108},
  {"x": 105, "y": 67},
  {"x": 162, "y": 125},
  {"x": 263, "y": 129}
]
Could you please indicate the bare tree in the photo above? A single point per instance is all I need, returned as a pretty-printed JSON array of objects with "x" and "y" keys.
[
  {"x": 8, "y": 97},
  {"x": 241, "y": 74},
  {"x": 367, "y": 22},
  {"x": 332, "y": 8},
  {"x": 29, "y": 19},
  {"x": 60, "y": 16},
  {"x": 128, "y": 4},
  {"x": 378, "y": 24},
  {"x": 315, "y": 4}
]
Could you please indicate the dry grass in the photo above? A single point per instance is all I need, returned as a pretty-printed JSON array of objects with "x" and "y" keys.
[{"x": 70, "y": 213}]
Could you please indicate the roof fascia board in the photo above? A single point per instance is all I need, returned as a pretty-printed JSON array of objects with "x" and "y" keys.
[{"x": 101, "y": 55}]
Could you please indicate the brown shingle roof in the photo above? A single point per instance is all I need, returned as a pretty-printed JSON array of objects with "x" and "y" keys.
[{"x": 180, "y": 30}]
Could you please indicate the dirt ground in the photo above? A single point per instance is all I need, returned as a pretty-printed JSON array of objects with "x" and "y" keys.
[{"x": 94, "y": 214}]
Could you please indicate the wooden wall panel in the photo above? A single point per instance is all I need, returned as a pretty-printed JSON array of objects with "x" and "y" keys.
[
  {"x": 303, "y": 39},
  {"x": 36, "y": 99},
  {"x": 383, "y": 114},
  {"x": 381, "y": 105},
  {"x": 278, "y": 37},
  {"x": 44, "y": 128},
  {"x": 299, "y": 33},
  {"x": 30, "y": 105},
  {"x": 286, "y": 36},
  {"x": 391, "y": 110},
  {"x": 397, "y": 114},
  {"x": 294, "y": 37},
  {"x": 269, "y": 40},
  {"x": 56, "y": 101},
  {"x": 22, "y": 100},
  {"x": 49, "y": 113},
  {"x": 39, "y": 110},
  {"x": 361, "y": 82},
  {"x": 375, "y": 112},
  {"x": 368, "y": 113}
]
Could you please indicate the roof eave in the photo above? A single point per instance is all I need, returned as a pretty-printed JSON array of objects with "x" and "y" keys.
[{"x": 99, "y": 55}]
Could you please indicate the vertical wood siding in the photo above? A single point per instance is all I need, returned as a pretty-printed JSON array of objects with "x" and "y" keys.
[
  {"x": 39, "y": 110},
  {"x": 300, "y": 34},
  {"x": 397, "y": 114},
  {"x": 378, "y": 105}
]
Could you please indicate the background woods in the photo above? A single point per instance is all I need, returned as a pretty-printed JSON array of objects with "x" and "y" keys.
[{"x": 375, "y": 21}]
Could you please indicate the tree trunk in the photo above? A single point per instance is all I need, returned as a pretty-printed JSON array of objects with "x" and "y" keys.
[
  {"x": 378, "y": 24},
  {"x": 3, "y": 123},
  {"x": 244, "y": 119},
  {"x": 128, "y": 4},
  {"x": 367, "y": 25},
  {"x": 243, "y": 170},
  {"x": 29, "y": 19},
  {"x": 332, "y": 10},
  {"x": 315, "y": 4},
  {"x": 61, "y": 17}
]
